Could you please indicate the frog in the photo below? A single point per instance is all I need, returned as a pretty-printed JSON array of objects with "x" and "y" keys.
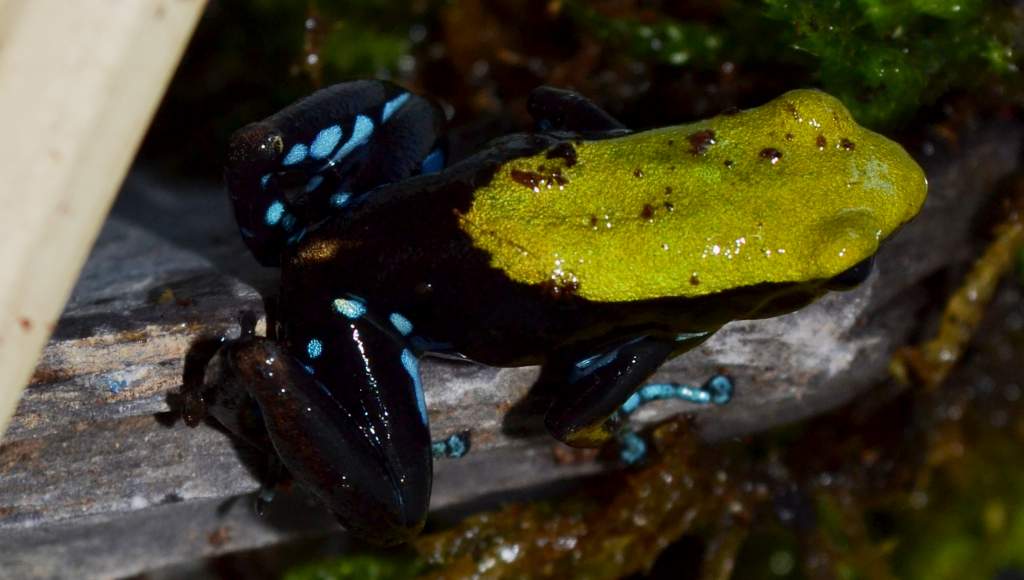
[{"x": 582, "y": 246}]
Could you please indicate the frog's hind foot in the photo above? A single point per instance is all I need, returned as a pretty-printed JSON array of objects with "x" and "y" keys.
[
  {"x": 632, "y": 447},
  {"x": 275, "y": 476},
  {"x": 717, "y": 390},
  {"x": 452, "y": 447}
]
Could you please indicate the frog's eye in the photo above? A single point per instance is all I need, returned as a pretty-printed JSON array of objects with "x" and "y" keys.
[
  {"x": 254, "y": 148},
  {"x": 852, "y": 276}
]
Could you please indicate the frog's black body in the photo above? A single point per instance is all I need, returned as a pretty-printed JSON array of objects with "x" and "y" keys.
[{"x": 388, "y": 274}]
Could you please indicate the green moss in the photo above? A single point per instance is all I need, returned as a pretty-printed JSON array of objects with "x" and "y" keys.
[
  {"x": 974, "y": 524},
  {"x": 664, "y": 40},
  {"x": 358, "y": 567},
  {"x": 883, "y": 58},
  {"x": 886, "y": 57}
]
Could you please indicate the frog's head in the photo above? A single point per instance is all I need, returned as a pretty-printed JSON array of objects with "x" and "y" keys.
[
  {"x": 810, "y": 193},
  {"x": 254, "y": 153},
  {"x": 854, "y": 188}
]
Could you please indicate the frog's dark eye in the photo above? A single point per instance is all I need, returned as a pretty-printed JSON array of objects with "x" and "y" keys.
[
  {"x": 853, "y": 276},
  {"x": 255, "y": 147}
]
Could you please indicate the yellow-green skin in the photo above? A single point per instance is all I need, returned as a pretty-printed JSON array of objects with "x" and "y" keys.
[{"x": 791, "y": 191}]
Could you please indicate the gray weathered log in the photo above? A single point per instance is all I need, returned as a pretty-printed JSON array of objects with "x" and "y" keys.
[{"x": 97, "y": 480}]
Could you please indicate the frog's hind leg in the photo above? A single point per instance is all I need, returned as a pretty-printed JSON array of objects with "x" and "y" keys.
[
  {"x": 318, "y": 155},
  {"x": 342, "y": 403},
  {"x": 593, "y": 387},
  {"x": 561, "y": 110}
]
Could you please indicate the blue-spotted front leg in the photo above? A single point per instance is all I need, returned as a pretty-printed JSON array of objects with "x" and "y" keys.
[
  {"x": 343, "y": 408},
  {"x": 300, "y": 165}
]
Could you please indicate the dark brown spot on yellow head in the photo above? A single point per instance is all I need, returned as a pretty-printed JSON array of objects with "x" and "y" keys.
[
  {"x": 821, "y": 142},
  {"x": 647, "y": 212},
  {"x": 846, "y": 144},
  {"x": 638, "y": 173},
  {"x": 525, "y": 178},
  {"x": 770, "y": 154},
  {"x": 701, "y": 141},
  {"x": 535, "y": 181}
]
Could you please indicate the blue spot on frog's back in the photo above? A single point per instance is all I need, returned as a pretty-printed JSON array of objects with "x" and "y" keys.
[
  {"x": 297, "y": 154},
  {"x": 412, "y": 366},
  {"x": 325, "y": 142},
  {"x": 361, "y": 131},
  {"x": 393, "y": 105},
  {"x": 401, "y": 323},
  {"x": 433, "y": 162},
  {"x": 350, "y": 308},
  {"x": 339, "y": 200},
  {"x": 314, "y": 348},
  {"x": 314, "y": 182},
  {"x": 274, "y": 213}
]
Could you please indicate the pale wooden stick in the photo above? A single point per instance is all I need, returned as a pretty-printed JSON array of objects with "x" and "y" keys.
[{"x": 79, "y": 82}]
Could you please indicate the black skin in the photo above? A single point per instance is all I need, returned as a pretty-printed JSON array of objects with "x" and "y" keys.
[{"x": 349, "y": 428}]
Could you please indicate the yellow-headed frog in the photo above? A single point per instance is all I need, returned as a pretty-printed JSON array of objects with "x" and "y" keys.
[{"x": 584, "y": 247}]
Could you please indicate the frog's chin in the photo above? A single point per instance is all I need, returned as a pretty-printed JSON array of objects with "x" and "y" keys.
[{"x": 853, "y": 276}]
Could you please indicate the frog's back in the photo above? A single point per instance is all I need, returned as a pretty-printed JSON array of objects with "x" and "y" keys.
[{"x": 791, "y": 191}]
